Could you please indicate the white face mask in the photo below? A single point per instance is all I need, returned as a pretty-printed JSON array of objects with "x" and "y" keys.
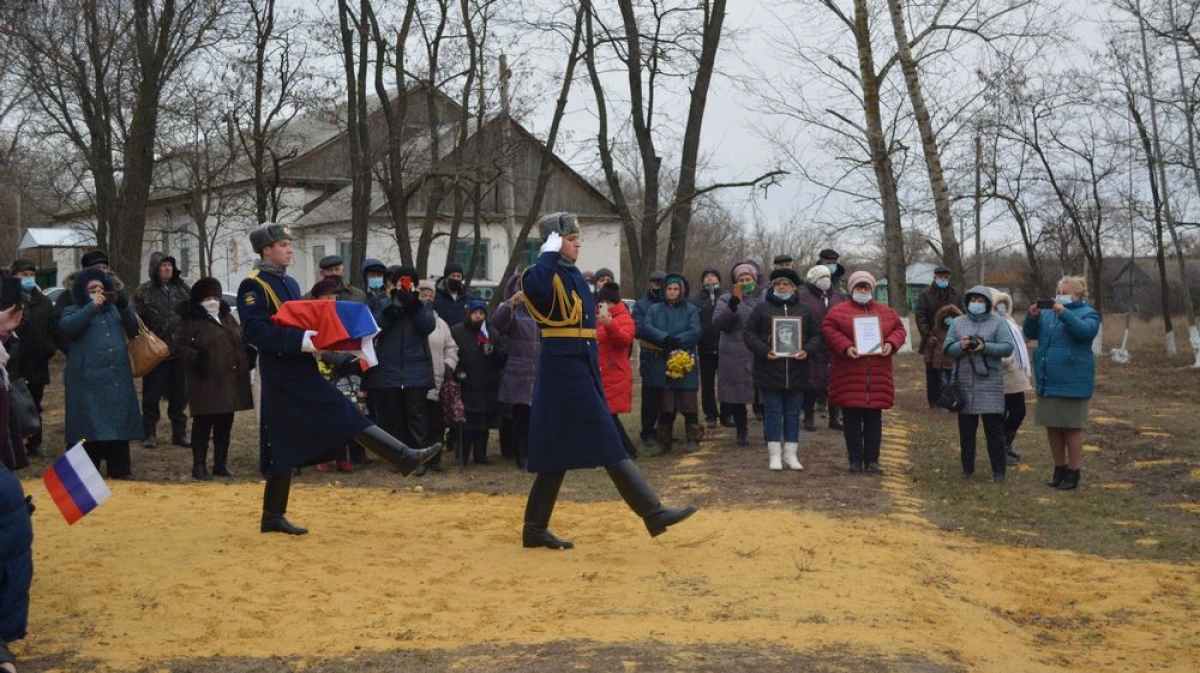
[
  {"x": 863, "y": 298},
  {"x": 1064, "y": 299},
  {"x": 213, "y": 306},
  {"x": 822, "y": 284}
]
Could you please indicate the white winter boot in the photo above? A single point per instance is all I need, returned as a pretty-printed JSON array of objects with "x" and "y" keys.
[
  {"x": 790, "y": 451},
  {"x": 775, "y": 453}
]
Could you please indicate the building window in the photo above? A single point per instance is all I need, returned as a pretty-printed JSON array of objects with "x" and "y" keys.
[
  {"x": 532, "y": 248},
  {"x": 345, "y": 250},
  {"x": 185, "y": 254},
  {"x": 462, "y": 255}
]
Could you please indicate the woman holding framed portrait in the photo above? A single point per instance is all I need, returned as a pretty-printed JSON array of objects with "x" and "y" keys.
[
  {"x": 781, "y": 332},
  {"x": 863, "y": 335}
]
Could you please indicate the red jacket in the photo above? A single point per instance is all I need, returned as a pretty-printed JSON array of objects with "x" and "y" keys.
[
  {"x": 615, "y": 339},
  {"x": 865, "y": 383}
]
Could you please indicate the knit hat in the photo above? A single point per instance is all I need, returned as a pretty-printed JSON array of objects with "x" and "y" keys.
[
  {"x": 453, "y": 267},
  {"x": 22, "y": 265},
  {"x": 476, "y": 305},
  {"x": 603, "y": 272},
  {"x": 92, "y": 258},
  {"x": 205, "y": 288},
  {"x": 371, "y": 264},
  {"x": 786, "y": 274},
  {"x": 674, "y": 278},
  {"x": 324, "y": 287},
  {"x": 395, "y": 273},
  {"x": 859, "y": 277},
  {"x": 817, "y": 273},
  {"x": 609, "y": 292},
  {"x": 745, "y": 268}
]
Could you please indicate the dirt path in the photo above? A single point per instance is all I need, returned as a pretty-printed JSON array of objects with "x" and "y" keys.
[{"x": 166, "y": 573}]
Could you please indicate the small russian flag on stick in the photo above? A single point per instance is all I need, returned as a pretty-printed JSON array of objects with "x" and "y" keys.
[{"x": 75, "y": 484}]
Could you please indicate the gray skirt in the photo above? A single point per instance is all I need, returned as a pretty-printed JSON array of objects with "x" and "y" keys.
[{"x": 1061, "y": 412}]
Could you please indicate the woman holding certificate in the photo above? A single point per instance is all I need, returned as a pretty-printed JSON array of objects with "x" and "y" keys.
[
  {"x": 781, "y": 332},
  {"x": 862, "y": 335}
]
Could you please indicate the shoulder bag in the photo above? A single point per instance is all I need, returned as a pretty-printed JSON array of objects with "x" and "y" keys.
[{"x": 146, "y": 350}]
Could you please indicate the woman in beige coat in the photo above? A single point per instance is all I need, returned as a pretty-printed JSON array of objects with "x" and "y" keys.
[{"x": 1017, "y": 372}]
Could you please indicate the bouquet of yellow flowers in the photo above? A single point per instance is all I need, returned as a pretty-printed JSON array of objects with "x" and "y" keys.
[{"x": 679, "y": 364}]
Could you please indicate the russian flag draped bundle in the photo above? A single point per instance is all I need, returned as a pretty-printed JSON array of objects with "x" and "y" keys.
[
  {"x": 74, "y": 484},
  {"x": 346, "y": 326}
]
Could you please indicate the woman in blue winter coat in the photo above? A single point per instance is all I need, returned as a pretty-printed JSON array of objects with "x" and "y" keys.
[
  {"x": 979, "y": 341},
  {"x": 1064, "y": 374},
  {"x": 404, "y": 374},
  {"x": 102, "y": 404},
  {"x": 16, "y": 529},
  {"x": 674, "y": 325}
]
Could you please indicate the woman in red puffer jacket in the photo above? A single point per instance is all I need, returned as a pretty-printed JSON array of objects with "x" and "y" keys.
[
  {"x": 615, "y": 333},
  {"x": 862, "y": 383}
]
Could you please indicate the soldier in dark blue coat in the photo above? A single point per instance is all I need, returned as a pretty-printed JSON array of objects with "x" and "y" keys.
[
  {"x": 303, "y": 417},
  {"x": 570, "y": 426}
]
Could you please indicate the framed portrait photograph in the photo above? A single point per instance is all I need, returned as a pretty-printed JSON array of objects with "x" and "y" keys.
[
  {"x": 786, "y": 337},
  {"x": 868, "y": 335}
]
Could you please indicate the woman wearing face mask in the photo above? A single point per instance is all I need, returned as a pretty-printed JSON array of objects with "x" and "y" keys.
[
  {"x": 781, "y": 379},
  {"x": 102, "y": 403},
  {"x": 979, "y": 341},
  {"x": 218, "y": 374},
  {"x": 705, "y": 301},
  {"x": 936, "y": 357},
  {"x": 674, "y": 325},
  {"x": 1017, "y": 373},
  {"x": 819, "y": 296},
  {"x": 735, "y": 369},
  {"x": 1064, "y": 374},
  {"x": 861, "y": 383}
]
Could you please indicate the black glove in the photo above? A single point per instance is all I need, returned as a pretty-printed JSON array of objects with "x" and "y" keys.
[
  {"x": 203, "y": 359},
  {"x": 733, "y": 303},
  {"x": 29, "y": 503},
  {"x": 122, "y": 300},
  {"x": 670, "y": 343}
]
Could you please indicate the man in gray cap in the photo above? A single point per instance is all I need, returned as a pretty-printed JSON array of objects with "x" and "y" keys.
[
  {"x": 331, "y": 267},
  {"x": 304, "y": 419},
  {"x": 652, "y": 384}
]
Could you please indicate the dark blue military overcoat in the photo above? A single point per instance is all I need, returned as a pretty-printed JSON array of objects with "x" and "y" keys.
[
  {"x": 302, "y": 416},
  {"x": 570, "y": 426}
]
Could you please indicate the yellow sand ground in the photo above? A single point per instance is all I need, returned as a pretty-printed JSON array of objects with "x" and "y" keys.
[{"x": 163, "y": 572}]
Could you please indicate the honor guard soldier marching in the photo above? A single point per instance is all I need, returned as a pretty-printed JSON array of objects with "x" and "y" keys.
[
  {"x": 570, "y": 426},
  {"x": 303, "y": 417}
]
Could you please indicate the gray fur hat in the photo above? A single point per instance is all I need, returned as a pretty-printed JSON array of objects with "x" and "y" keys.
[
  {"x": 267, "y": 233},
  {"x": 561, "y": 223}
]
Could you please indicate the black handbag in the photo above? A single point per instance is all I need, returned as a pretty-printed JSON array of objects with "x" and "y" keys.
[
  {"x": 950, "y": 398},
  {"x": 28, "y": 417}
]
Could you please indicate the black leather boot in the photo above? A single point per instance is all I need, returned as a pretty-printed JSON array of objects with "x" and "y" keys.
[
  {"x": 179, "y": 435},
  {"x": 387, "y": 447},
  {"x": 1070, "y": 480},
  {"x": 199, "y": 460},
  {"x": 275, "y": 500},
  {"x": 835, "y": 418},
  {"x": 150, "y": 440},
  {"x": 810, "y": 425},
  {"x": 1060, "y": 471},
  {"x": 542, "y": 496},
  {"x": 641, "y": 498},
  {"x": 221, "y": 461}
]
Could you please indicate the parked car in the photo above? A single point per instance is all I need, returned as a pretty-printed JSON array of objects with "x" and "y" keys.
[{"x": 52, "y": 293}]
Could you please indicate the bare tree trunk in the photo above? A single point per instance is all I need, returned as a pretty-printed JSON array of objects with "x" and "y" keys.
[
  {"x": 951, "y": 255},
  {"x": 642, "y": 117},
  {"x": 354, "y": 58},
  {"x": 895, "y": 262},
  {"x": 435, "y": 183},
  {"x": 681, "y": 213}
]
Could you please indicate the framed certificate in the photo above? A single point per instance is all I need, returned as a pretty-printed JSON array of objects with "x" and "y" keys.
[
  {"x": 786, "y": 336},
  {"x": 868, "y": 335}
]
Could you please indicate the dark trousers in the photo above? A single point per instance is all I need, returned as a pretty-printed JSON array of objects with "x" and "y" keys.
[
  {"x": 402, "y": 413},
  {"x": 651, "y": 404},
  {"x": 1014, "y": 416},
  {"x": 933, "y": 384},
  {"x": 473, "y": 442},
  {"x": 863, "y": 432},
  {"x": 115, "y": 453},
  {"x": 166, "y": 380},
  {"x": 514, "y": 433},
  {"x": 435, "y": 429},
  {"x": 37, "y": 390},
  {"x": 625, "y": 440},
  {"x": 708, "y": 385},
  {"x": 993, "y": 430},
  {"x": 219, "y": 426}
]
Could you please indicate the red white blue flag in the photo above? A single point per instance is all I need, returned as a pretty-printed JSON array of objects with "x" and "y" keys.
[
  {"x": 345, "y": 326},
  {"x": 75, "y": 484}
]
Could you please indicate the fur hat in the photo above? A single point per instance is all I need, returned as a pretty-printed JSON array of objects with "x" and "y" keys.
[
  {"x": 609, "y": 292},
  {"x": 92, "y": 258},
  {"x": 205, "y": 288},
  {"x": 859, "y": 277},
  {"x": 268, "y": 233},
  {"x": 563, "y": 224},
  {"x": 87, "y": 275},
  {"x": 787, "y": 274}
]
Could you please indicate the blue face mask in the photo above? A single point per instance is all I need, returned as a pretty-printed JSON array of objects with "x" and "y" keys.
[
  {"x": 374, "y": 283},
  {"x": 977, "y": 308},
  {"x": 941, "y": 284},
  {"x": 1064, "y": 299},
  {"x": 28, "y": 283},
  {"x": 783, "y": 296},
  {"x": 832, "y": 268}
]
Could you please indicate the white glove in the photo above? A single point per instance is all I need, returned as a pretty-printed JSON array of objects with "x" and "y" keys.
[
  {"x": 553, "y": 243},
  {"x": 307, "y": 345}
]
